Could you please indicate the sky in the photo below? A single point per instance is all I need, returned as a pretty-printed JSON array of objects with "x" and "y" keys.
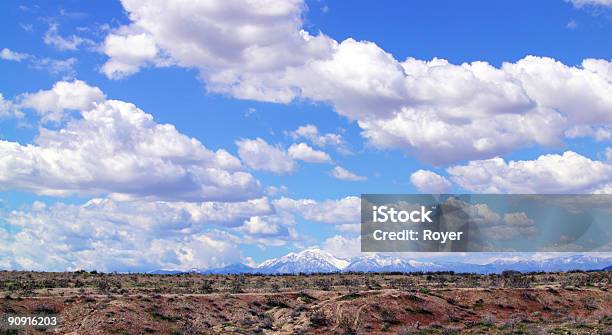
[{"x": 140, "y": 135}]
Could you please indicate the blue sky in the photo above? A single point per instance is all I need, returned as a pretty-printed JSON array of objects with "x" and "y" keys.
[{"x": 518, "y": 125}]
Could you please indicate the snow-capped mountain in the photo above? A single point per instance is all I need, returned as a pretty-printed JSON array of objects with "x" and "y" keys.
[
  {"x": 374, "y": 263},
  {"x": 307, "y": 261},
  {"x": 319, "y": 261},
  {"x": 565, "y": 263},
  {"x": 166, "y": 272},
  {"x": 383, "y": 263}
]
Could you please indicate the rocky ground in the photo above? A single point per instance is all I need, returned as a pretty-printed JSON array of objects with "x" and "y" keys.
[{"x": 93, "y": 303}]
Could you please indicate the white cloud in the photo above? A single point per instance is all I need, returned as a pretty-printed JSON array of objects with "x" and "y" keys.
[
  {"x": 582, "y": 3},
  {"x": 8, "y": 54},
  {"x": 220, "y": 213},
  {"x": 602, "y": 133},
  {"x": 117, "y": 148},
  {"x": 108, "y": 235},
  {"x": 63, "y": 67},
  {"x": 60, "y": 67},
  {"x": 566, "y": 173},
  {"x": 439, "y": 111},
  {"x": 345, "y": 210},
  {"x": 274, "y": 190},
  {"x": 311, "y": 133},
  {"x": 269, "y": 230},
  {"x": 304, "y": 152},
  {"x": 430, "y": 182},
  {"x": 482, "y": 111},
  {"x": 608, "y": 154},
  {"x": 349, "y": 227},
  {"x": 6, "y": 107},
  {"x": 52, "y": 104},
  {"x": 128, "y": 53},
  {"x": 341, "y": 173},
  {"x": 258, "y": 226},
  {"x": 491, "y": 224},
  {"x": 260, "y": 155},
  {"x": 518, "y": 219},
  {"x": 343, "y": 247},
  {"x": 226, "y": 39},
  {"x": 53, "y": 38}
]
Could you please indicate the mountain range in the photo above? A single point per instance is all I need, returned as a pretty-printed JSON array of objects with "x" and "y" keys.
[{"x": 319, "y": 261}]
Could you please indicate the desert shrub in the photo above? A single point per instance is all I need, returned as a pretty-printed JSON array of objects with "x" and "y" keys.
[
  {"x": 414, "y": 298},
  {"x": 589, "y": 303},
  {"x": 606, "y": 320},
  {"x": 488, "y": 320},
  {"x": 388, "y": 316},
  {"x": 305, "y": 297},
  {"x": 102, "y": 285},
  {"x": 529, "y": 296},
  {"x": 317, "y": 319},
  {"x": 276, "y": 301},
  {"x": 46, "y": 308},
  {"x": 515, "y": 279},
  {"x": 424, "y": 290},
  {"x": 346, "y": 324},
  {"x": 206, "y": 287},
  {"x": 323, "y": 284},
  {"x": 266, "y": 321},
  {"x": 236, "y": 286}
]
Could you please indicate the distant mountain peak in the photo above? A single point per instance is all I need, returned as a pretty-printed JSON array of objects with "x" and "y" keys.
[
  {"x": 315, "y": 260},
  {"x": 306, "y": 261}
]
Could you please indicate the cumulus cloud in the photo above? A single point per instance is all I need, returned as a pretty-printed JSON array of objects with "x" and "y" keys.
[
  {"x": 226, "y": 40},
  {"x": 6, "y": 107},
  {"x": 256, "y": 225},
  {"x": 10, "y": 55},
  {"x": 344, "y": 247},
  {"x": 345, "y": 210},
  {"x": 601, "y": 133},
  {"x": 341, "y": 173},
  {"x": 311, "y": 133},
  {"x": 117, "y": 148},
  {"x": 491, "y": 224},
  {"x": 439, "y": 111},
  {"x": 553, "y": 173},
  {"x": 583, "y": 3},
  {"x": 304, "y": 152},
  {"x": 108, "y": 235},
  {"x": 128, "y": 52},
  {"x": 430, "y": 182},
  {"x": 259, "y": 155},
  {"x": 65, "y": 95},
  {"x": 270, "y": 230},
  {"x": 141, "y": 235}
]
